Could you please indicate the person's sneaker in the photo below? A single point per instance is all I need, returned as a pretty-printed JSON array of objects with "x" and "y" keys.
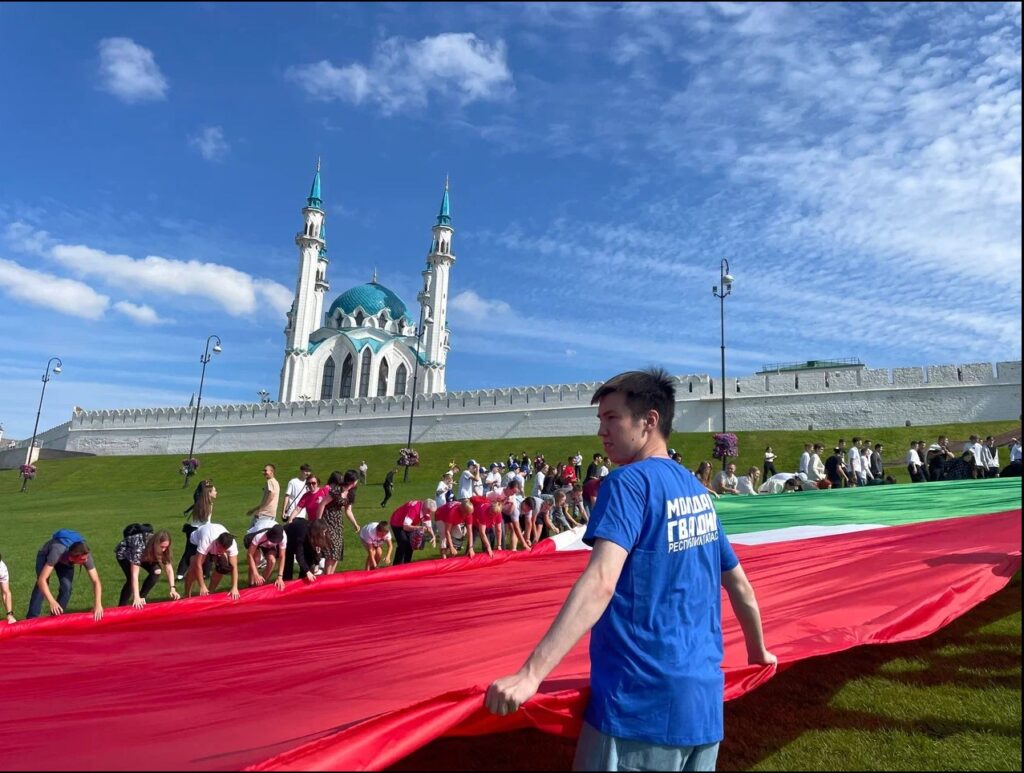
[{"x": 181, "y": 577}]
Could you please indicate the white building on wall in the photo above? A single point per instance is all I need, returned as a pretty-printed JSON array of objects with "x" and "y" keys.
[{"x": 367, "y": 345}]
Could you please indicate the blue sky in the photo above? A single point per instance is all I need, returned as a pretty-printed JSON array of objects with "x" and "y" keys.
[{"x": 858, "y": 165}]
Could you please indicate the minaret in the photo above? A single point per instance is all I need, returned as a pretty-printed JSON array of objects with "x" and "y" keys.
[
  {"x": 434, "y": 298},
  {"x": 307, "y": 309}
]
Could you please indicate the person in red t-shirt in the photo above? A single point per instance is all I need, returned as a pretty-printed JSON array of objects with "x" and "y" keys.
[
  {"x": 411, "y": 517},
  {"x": 590, "y": 491},
  {"x": 569, "y": 473},
  {"x": 447, "y": 518}
]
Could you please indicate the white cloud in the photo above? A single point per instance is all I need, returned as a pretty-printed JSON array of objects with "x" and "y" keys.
[
  {"x": 210, "y": 143},
  {"x": 143, "y": 314},
  {"x": 64, "y": 295},
  {"x": 403, "y": 74},
  {"x": 235, "y": 291},
  {"x": 130, "y": 72},
  {"x": 24, "y": 238},
  {"x": 476, "y": 308}
]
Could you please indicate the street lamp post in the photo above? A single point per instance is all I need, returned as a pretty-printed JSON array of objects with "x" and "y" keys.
[
  {"x": 415, "y": 376},
  {"x": 46, "y": 378},
  {"x": 205, "y": 358},
  {"x": 722, "y": 291}
]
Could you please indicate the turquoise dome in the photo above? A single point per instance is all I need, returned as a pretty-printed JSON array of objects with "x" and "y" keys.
[{"x": 373, "y": 298}]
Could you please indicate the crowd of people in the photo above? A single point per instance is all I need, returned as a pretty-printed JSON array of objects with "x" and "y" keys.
[
  {"x": 506, "y": 505},
  {"x": 305, "y": 528},
  {"x": 862, "y": 464}
]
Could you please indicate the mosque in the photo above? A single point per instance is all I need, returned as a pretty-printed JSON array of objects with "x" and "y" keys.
[{"x": 368, "y": 344}]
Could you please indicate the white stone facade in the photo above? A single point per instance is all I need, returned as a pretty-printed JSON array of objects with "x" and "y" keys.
[
  {"x": 367, "y": 345},
  {"x": 936, "y": 394}
]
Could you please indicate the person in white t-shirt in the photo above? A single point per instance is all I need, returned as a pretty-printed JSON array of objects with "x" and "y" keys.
[
  {"x": 975, "y": 447},
  {"x": 214, "y": 540},
  {"x": 492, "y": 481},
  {"x": 363, "y": 469},
  {"x": 805, "y": 461},
  {"x": 747, "y": 484},
  {"x": 293, "y": 493},
  {"x": 538, "y": 480},
  {"x": 815, "y": 467},
  {"x": 1015, "y": 450},
  {"x": 5, "y": 591},
  {"x": 269, "y": 542},
  {"x": 444, "y": 486},
  {"x": 468, "y": 479},
  {"x": 373, "y": 536},
  {"x": 857, "y": 477}
]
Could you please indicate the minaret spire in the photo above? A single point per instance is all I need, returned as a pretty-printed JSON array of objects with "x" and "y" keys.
[
  {"x": 314, "y": 200},
  {"x": 444, "y": 216}
]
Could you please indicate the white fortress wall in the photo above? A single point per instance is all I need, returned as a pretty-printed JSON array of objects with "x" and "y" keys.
[{"x": 936, "y": 394}]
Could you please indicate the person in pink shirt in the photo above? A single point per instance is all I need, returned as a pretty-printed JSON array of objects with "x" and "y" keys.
[
  {"x": 311, "y": 499},
  {"x": 411, "y": 517}
]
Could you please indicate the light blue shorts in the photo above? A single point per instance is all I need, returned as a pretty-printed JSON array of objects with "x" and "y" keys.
[{"x": 597, "y": 751}]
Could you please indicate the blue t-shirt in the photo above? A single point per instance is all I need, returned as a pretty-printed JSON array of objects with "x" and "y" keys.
[{"x": 656, "y": 652}]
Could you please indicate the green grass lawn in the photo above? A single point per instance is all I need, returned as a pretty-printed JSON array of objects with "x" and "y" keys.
[{"x": 951, "y": 701}]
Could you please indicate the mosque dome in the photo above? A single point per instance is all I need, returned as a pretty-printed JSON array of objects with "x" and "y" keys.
[{"x": 372, "y": 298}]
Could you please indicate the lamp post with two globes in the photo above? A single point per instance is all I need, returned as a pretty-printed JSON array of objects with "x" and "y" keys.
[
  {"x": 722, "y": 291},
  {"x": 205, "y": 358},
  {"x": 46, "y": 379}
]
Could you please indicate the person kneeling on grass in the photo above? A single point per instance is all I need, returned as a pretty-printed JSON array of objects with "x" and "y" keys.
[
  {"x": 142, "y": 549},
  {"x": 214, "y": 540},
  {"x": 268, "y": 543},
  {"x": 373, "y": 536},
  {"x": 308, "y": 541},
  {"x": 65, "y": 550}
]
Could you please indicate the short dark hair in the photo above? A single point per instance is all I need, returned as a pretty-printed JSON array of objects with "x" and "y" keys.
[
  {"x": 225, "y": 540},
  {"x": 305, "y": 468},
  {"x": 275, "y": 533},
  {"x": 644, "y": 390}
]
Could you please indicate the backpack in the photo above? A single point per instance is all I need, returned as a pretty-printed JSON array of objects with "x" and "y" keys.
[
  {"x": 67, "y": 537},
  {"x": 137, "y": 528}
]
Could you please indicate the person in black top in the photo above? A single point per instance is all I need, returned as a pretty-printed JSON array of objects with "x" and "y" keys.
[
  {"x": 594, "y": 468},
  {"x": 308, "y": 540},
  {"x": 389, "y": 485},
  {"x": 834, "y": 469}
]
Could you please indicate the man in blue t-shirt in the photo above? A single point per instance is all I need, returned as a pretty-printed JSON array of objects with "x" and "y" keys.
[{"x": 651, "y": 593}]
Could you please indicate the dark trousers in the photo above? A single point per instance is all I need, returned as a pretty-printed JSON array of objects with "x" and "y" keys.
[
  {"x": 298, "y": 549},
  {"x": 190, "y": 550},
  {"x": 992, "y": 472},
  {"x": 769, "y": 470},
  {"x": 403, "y": 547},
  {"x": 144, "y": 588},
  {"x": 65, "y": 576},
  {"x": 916, "y": 476},
  {"x": 389, "y": 489}
]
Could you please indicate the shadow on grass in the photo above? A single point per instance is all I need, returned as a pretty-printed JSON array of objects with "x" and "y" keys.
[{"x": 801, "y": 700}]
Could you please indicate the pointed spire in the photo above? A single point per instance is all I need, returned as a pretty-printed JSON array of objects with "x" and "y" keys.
[
  {"x": 444, "y": 216},
  {"x": 314, "y": 199},
  {"x": 373, "y": 279}
]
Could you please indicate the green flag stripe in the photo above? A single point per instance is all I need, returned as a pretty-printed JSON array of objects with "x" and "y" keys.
[{"x": 887, "y": 505}]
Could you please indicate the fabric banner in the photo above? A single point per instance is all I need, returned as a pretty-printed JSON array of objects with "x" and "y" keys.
[{"x": 360, "y": 669}]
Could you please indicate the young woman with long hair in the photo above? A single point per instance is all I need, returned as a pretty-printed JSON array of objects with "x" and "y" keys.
[{"x": 152, "y": 552}]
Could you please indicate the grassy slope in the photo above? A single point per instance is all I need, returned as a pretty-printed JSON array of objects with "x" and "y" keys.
[
  {"x": 951, "y": 701},
  {"x": 99, "y": 495}
]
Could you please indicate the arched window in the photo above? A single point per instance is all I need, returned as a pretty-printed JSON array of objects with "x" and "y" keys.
[
  {"x": 364, "y": 374},
  {"x": 327, "y": 385},
  {"x": 359, "y": 319},
  {"x": 382, "y": 319},
  {"x": 400, "y": 377},
  {"x": 382, "y": 379},
  {"x": 346, "y": 377}
]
